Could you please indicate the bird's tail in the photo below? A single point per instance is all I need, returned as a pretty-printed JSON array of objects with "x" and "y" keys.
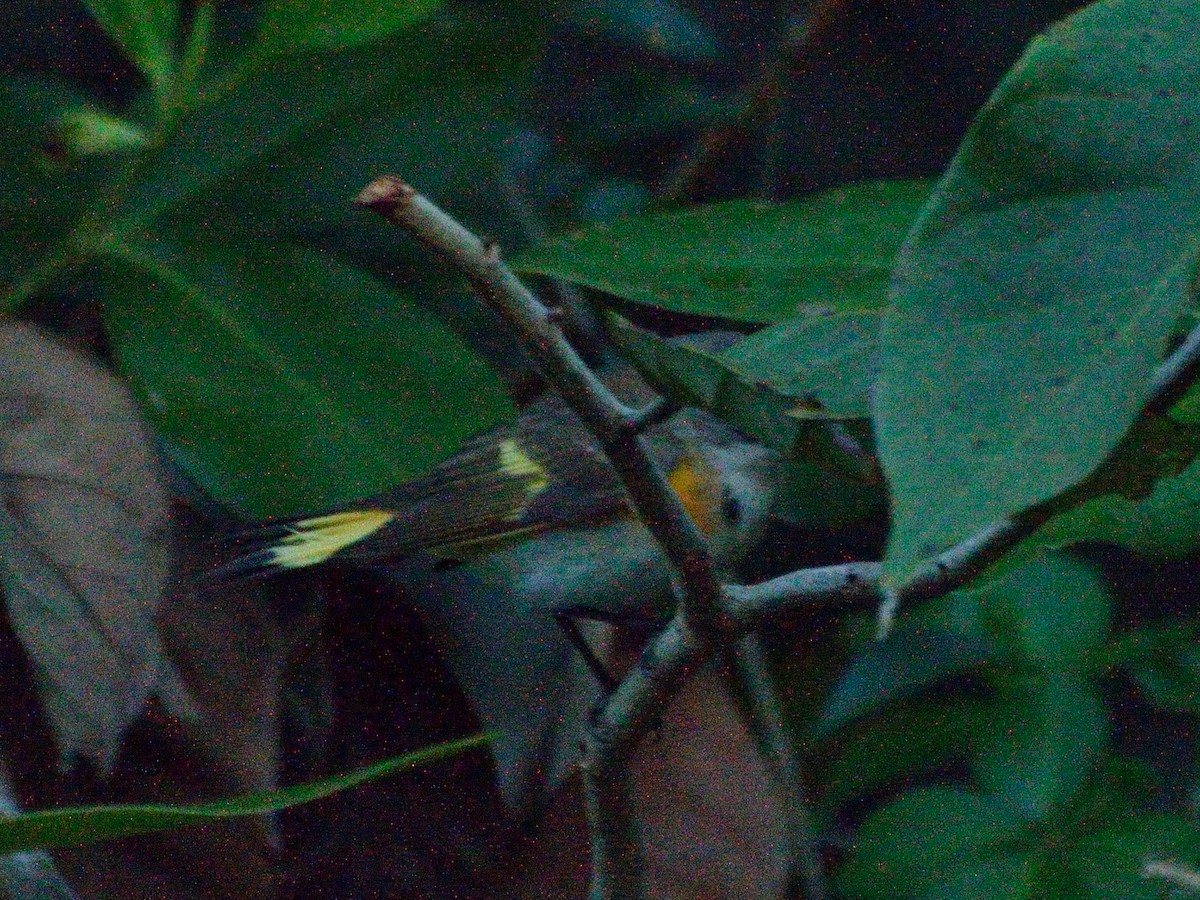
[{"x": 302, "y": 542}]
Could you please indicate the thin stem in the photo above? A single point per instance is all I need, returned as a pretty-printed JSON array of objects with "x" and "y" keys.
[
  {"x": 783, "y": 755},
  {"x": 29, "y": 875}
]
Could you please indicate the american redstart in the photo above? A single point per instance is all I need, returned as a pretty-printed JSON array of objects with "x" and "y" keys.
[
  {"x": 542, "y": 527},
  {"x": 512, "y": 484}
]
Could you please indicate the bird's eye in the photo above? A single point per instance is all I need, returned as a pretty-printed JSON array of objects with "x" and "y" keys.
[{"x": 731, "y": 507}]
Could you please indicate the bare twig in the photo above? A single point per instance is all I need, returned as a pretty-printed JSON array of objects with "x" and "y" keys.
[{"x": 639, "y": 700}]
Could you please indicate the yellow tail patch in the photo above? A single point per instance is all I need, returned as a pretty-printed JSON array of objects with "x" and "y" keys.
[{"x": 313, "y": 541}]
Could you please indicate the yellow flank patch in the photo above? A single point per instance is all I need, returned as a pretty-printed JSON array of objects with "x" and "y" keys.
[
  {"x": 698, "y": 491},
  {"x": 516, "y": 463},
  {"x": 313, "y": 541}
]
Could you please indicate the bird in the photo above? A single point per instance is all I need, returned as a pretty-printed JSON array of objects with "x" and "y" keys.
[
  {"x": 529, "y": 528},
  {"x": 543, "y": 473}
]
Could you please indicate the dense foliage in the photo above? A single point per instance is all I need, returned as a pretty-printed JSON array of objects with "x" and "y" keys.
[{"x": 969, "y": 264}]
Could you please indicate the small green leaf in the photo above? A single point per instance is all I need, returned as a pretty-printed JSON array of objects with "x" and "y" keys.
[
  {"x": 697, "y": 377},
  {"x": 86, "y": 131},
  {"x": 145, "y": 30},
  {"x": 824, "y": 362},
  {"x": 1164, "y": 525},
  {"x": 904, "y": 741},
  {"x": 746, "y": 261},
  {"x": 727, "y": 383},
  {"x": 291, "y": 26},
  {"x": 286, "y": 381},
  {"x": 1039, "y": 288},
  {"x": 1132, "y": 860},
  {"x": 1164, "y": 662},
  {"x": 1041, "y": 742},
  {"x": 943, "y": 639},
  {"x": 72, "y": 826},
  {"x": 922, "y": 841},
  {"x": 1054, "y": 612}
]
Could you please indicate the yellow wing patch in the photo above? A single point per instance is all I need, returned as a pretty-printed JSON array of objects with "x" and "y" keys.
[
  {"x": 516, "y": 463},
  {"x": 313, "y": 541}
]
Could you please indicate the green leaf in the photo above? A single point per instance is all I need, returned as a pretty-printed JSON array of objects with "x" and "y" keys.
[
  {"x": 1043, "y": 279},
  {"x": 695, "y": 376},
  {"x": 747, "y": 261},
  {"x": 41, "y": 195},
  {"x": 1053, "y": 613},
  {"x": 1164, "y": 525},
  {"x": 81, "y": 825},
  {"x": 285, "y": 380},
  {"x": 943, "y": 639},
  {"x": 1014, "y": 875},
  {"x": 291, "y": 26},
  {"x": 812, "y": 496},
  {"x": 824, "y": 362},
  {"x": 86, "y": 130},
  {"x": 1127, "y": 861},
  {"x": 727, "y": 383},
  {"x": 285, "y": 146},
  {"x": 919, "y": 843},
  {"x": 1041, "y": 742},
  {"x": 1164, "y": 662},
  {"x": 145, "y": 30},
  {"x": 905, "y": 741}
]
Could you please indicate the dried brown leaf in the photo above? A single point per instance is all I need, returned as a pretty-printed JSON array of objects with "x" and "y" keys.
[{"x": 83, "y": 519}]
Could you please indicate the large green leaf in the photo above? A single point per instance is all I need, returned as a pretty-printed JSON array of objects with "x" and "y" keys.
[
  {"x": 918, "y": 844},
  {"x": 294, "y": 133},
  {"x": 67, "y": 827},
  {"x": 1038, "y": 289},
  {"x": 1041, "y": 742},
  {"x": 288, "y": 26},
  {"x": 746, "y": 261},
  {"x": 145, "y": 30},
  {"x": 285, "y": 380}
]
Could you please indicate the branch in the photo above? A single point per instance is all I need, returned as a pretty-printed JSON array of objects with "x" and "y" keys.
[{"x": 639, "y": 700}]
